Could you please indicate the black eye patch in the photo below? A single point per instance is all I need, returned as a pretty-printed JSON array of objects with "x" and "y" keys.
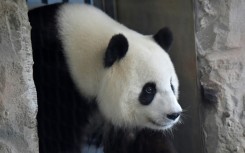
[
  {"x": 147, "y": 94},
  {"x": 172, "y": 87}
]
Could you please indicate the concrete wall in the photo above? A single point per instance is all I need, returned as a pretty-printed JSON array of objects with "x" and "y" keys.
[
  {"x": 18, "y": 105},
  {"x": 220, "y": 40}
]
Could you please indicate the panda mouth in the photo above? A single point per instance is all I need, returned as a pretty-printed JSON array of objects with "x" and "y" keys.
[{"x": 156, "y": 123}]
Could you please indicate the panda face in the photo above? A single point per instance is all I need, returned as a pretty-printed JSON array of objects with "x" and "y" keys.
[
  {"x": 140, "y": 89},
  {"x": 130, "y": 75}
]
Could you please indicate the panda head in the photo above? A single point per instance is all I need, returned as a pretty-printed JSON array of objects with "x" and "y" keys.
[{"x": 139, "y": 87}]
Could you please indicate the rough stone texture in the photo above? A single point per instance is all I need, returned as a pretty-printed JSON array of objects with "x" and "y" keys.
[
  {"x": 220, "y": 37},
  {"x": 18, "y": 105}
]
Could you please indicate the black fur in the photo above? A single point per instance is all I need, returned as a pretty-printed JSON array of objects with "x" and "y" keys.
[
  {"x": 172, "y": 87},
  {"x": 144, "y": 141},
  {"x": 164, "y": 38},
  {"x": 116, "y": 50},
  {"x": 147, "y": 96},
  {"x": 62, "y": 111}
]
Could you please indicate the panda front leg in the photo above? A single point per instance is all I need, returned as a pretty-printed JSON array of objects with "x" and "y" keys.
[
  {"x": 148, "y": 141},
  {"x": 144, "y": 141}
]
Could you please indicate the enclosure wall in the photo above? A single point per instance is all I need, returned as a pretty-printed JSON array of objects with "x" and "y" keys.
[
  {"x": 18, "y": 105},
  {"x": 220, "y": 37}
]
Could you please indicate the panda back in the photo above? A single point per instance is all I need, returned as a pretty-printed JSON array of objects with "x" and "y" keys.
[{"x": 85, "y": 32}]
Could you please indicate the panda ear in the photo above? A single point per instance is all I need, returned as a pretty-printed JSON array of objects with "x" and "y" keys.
[
  {"x": 116, "y": 50},
  {"x": 164, "y": 38}
]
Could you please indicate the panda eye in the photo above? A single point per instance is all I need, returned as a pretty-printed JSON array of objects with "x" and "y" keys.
[
  {"x": 149, "y": 89},
  {"x": 147, "y": 94},
  {"x": 172, "y": 87}
]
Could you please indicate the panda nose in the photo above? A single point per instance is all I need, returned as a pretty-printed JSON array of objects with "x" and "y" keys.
[{"x": 173, "y": 116}]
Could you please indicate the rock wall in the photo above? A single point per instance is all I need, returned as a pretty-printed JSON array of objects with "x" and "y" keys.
[
  {"x": 18, "y": 105},
  {"x": 220, "y": 41}
]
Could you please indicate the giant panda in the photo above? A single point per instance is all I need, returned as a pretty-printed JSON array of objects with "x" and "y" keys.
[{"x": 89, "y": 69}]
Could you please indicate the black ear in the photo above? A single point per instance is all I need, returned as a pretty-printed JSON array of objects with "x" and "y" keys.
[
  {"x": 116, "y": 50},
  {"x": 164, "y": 38}
]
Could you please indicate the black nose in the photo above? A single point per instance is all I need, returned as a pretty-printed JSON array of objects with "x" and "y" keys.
[{"x": 173, "y": 116}]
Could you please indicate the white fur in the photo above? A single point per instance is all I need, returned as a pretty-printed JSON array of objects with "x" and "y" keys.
[{"x": 86, "y": 32}]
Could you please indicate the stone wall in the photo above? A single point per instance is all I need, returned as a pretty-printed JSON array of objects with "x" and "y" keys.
[
  {"x": 220, "y": 41},
  {"x": 18, "y": 105}
]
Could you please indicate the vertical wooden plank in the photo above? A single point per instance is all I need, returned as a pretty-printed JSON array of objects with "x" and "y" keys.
[
  {"x": 98, "y": 3},
  {"x": 110, "y": 8},
  {"x": 87, "y": 1},
  {"x": 45, "y": 1}
]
